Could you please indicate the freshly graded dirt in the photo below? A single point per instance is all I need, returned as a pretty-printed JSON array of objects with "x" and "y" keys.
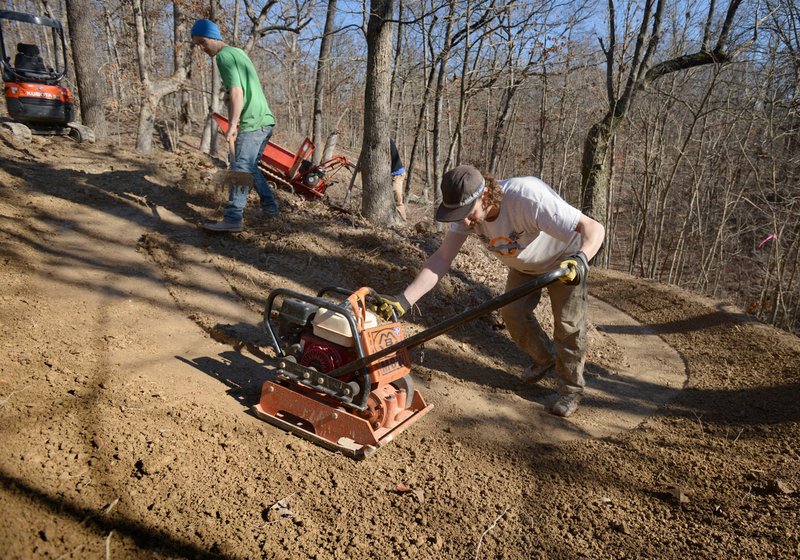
[{"x": 125, "y": 393}]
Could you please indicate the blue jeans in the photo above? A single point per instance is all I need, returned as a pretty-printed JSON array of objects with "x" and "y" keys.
[{"x": 248, "y": 149}]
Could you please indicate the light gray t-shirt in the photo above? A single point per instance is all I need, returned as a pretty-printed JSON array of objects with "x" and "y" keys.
[{"x": 535, "y": 229}]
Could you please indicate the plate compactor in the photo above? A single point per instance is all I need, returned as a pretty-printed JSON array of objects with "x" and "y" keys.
[{"x": 343, "y": 379}]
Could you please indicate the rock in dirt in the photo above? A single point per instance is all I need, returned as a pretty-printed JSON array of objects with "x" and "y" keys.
[
  {"x": 777, "y": 486},
  {"x": 677, "y": 492}
]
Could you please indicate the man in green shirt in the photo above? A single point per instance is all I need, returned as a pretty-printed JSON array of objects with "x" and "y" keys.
[{"x": 250, "y": 120}]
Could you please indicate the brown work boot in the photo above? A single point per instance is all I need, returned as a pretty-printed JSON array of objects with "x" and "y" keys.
[
  {"x": 566, "y": 405},
  {"x": 535, "y": 373}
]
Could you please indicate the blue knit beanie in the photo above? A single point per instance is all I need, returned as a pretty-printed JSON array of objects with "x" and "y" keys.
[{"x": 206, "y": 28}]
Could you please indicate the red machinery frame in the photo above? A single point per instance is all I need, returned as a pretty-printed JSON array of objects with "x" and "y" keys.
[{"x": 295, "y": 170}]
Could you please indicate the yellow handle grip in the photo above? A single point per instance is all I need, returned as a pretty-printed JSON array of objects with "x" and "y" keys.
[{"x": 572, "y": 271}]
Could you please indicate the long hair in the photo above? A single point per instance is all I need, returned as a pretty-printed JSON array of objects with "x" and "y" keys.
[{"x": 493, "y": 190}]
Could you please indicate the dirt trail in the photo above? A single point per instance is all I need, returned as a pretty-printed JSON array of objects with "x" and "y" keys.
[{"x": 126, "y": 426}]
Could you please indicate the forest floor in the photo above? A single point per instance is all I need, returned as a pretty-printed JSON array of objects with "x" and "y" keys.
[{"x": 125, "y": 398}]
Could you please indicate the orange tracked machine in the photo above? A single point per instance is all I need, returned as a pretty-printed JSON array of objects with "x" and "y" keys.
[{"x": 35, "y": 98}]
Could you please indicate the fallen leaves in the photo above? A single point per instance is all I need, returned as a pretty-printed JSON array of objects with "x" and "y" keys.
[{"x": 402, "y": 488}]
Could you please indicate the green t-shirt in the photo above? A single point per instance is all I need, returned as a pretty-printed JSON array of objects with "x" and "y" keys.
[{"x": 237, "y": 70}]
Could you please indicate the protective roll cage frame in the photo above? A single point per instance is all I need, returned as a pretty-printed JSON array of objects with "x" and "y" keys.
[{"x": 58, "y": 34}]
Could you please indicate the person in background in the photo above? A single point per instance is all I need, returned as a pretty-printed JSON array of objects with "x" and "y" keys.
[
  {"x": 531, "y": 230},
  {"x": 398, "y": 180},
  {"x": 250, "y": 124}
]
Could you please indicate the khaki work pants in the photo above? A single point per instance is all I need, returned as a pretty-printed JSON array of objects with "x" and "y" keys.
[
  {"x": 569, "y": 330},
  {"x": 397, "y": 187}
]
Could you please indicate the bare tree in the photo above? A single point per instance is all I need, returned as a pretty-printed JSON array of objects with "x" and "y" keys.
[
  {"x": 428, "y": 67},
  {"x": 323, "y": 65},
  {"x": 91, "y": 89},
  {"x": 438, "y": 101},
  {"x": 208, "y": 140},
  {"x": 377, "y": 203},
  {"x": 641, "y": 72},
  {"x": 520, "y": 58},
  {"x": 293, "y": 23},
  {"x": 155, "y": 90}
]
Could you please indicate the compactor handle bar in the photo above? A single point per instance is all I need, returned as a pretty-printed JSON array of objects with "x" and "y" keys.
[{"x": 457, "y": 320}]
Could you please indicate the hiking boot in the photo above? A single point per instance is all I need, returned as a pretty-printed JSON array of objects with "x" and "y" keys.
[
  {"x": 535, "y": 373},
  {"x": 223, "y": 226},
  {"x": 566, "y": 405},
  {"x": 265, "y": 213}
]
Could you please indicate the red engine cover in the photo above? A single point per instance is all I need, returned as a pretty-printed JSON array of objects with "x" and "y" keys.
[{"x": 323, "y": 355}]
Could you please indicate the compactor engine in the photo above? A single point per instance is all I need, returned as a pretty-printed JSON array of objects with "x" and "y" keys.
[{"x": 353, "y": 410}]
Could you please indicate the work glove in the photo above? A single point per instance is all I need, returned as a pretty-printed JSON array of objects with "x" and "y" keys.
[
  {"x": 392, "y": 306},
  {"x": 578, "y": 267}
]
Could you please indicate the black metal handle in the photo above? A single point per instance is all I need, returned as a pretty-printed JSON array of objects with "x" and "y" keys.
[{"x": 457, "y": 320}]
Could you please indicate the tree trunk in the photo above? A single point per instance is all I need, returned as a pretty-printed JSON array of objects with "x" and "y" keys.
[
  {"x": 437, "y": 106},
  {"x": 420, "y": 133},
  {"x": 499, "y": 140},
  {"x": 377, "y": 202},
  {"x": 595, "y": 169},
  {"x": 153, "y": 92},
  {"x": 396, "y": 107},
  {"x": 91, "y": 90},
  {"x": 181, "y": 58},
  {"x": 208, "y": 140},
  {"x": 463, "y": 98},
  {"x": 144, "y": 130},
  {"x": 319, "y": 85},
  {"x": 117, "y": 90}
]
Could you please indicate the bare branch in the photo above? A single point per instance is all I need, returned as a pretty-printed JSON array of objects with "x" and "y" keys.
[
  {"x": 722, "y": 40},
  {"x": 707, "y": 29}
]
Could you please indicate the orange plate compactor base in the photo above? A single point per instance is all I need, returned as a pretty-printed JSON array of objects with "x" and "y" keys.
[
  {"x": 309, "y": 416},
  {"x": 391, "y": 407}
]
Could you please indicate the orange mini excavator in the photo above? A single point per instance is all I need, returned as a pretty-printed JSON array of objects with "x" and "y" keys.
[
  {"x": 35, "y": 98},
  {"x": 343, "y": 377}
]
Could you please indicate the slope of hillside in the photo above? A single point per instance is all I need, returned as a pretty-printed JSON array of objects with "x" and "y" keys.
[{"x": 125, "y": 397}]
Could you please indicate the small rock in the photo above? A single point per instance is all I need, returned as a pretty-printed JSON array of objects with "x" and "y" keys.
[
  {"x": 678, "y": 492},
  {"x": 619, "y": 527},
  {"x": 23, "y": 358},
  {"x": 778, "y": 486}
]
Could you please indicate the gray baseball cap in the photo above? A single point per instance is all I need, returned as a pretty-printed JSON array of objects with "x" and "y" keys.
[{"x": 461, "y": 187}]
